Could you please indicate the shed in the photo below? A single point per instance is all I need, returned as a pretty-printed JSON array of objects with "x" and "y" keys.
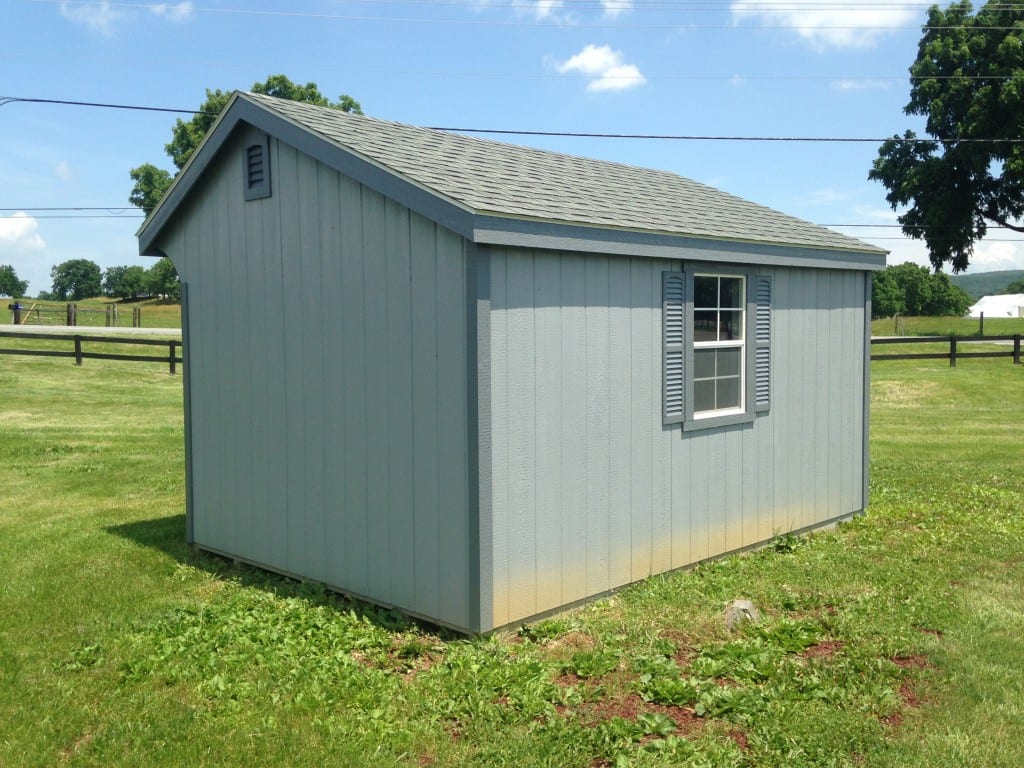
[
  {"x": 479, "y": 382},
  {"x": 1002, "y": 305}
]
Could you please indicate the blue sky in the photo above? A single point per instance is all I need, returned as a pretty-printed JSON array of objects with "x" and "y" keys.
[{"x": 695, "y": 67}]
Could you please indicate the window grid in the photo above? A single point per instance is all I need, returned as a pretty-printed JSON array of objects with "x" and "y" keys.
[{"x": 719, "y": 309}]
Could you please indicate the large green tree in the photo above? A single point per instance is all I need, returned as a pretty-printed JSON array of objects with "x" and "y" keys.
[
  {"x": 968, "y": 84},
  {"x": 76, "y": 279},
  {"x": 152, "y": 182},
  {"x": 162, "y": 280},
  {"x": 10, "y": 285},
  {"x": 124, "y": 282},
  {"x": 910, "y": 289},
  {"x": 1017, "y": 286}
]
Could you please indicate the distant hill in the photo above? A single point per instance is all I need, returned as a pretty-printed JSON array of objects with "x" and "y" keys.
[{"x": 987, "y": 283}]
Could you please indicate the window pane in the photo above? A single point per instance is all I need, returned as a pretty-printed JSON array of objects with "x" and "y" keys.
[
  {"x": 728, "y": 362},
  {"x": 732, "y": 325},
  {"x": 729, "y": 392},
  {"x": 704, "y": 363},
  {"x": 705, "y": 326},
  {"x": 704, "y": 395},
  {"x": 705, "y": 292},
  {"x": 732, "y": 292}
]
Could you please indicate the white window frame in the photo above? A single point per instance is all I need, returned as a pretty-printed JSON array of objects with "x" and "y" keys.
[{"x": 719, "y": 343}]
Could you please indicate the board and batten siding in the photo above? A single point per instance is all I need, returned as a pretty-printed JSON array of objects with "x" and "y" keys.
[
  {"x": 327, "y": 335},
  {"x": 589, "y": 491}
]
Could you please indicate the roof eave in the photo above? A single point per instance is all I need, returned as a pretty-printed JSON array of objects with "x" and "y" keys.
[{"x": 498, "y": 230}]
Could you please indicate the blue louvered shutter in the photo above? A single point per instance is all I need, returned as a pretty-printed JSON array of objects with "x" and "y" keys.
[
  {"x": 762, "y": 343},
  {"x": 673, "y": 296}
]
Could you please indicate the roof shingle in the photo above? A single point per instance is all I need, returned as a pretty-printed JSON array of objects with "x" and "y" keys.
[{"x": 490, "y": 177}]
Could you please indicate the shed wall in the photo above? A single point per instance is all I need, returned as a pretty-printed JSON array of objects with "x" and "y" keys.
[
  {"x": 589, "y": 491},
  {"x": 327, "y": 351}
]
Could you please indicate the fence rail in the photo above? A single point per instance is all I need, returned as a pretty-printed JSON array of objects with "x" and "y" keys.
[
  {"x": 171, "y": 358},
  {"x": 954, "y": 352},
  {"x": 72, "y": 315}
]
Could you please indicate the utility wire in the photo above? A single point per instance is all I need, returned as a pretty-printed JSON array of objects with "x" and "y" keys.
[
  {"x": 554, "y": 24},
  {"x": 578, "y": 134}
]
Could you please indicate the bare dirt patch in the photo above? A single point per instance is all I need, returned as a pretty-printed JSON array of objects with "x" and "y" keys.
[
  {"x": 914, "y": 661},
  {"x": 823, "y": 650}
]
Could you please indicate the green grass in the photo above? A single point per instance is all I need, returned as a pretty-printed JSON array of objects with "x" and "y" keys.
[
  {"x": 894, "y": 640},
  {"x": 93, "y": 312},
  {"x": 946, "y": 326}
]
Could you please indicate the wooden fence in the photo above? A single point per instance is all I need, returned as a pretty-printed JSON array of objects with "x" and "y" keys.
[
  {"x": 170, "y": 357},
  {"x": 71, "y": 314},
  {"x": 955, "y": 351}
]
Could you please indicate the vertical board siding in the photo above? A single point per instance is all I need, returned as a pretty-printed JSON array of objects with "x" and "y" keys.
[
  {"x": 590, "y": 490},
  {"x": 328, "y": 384}
]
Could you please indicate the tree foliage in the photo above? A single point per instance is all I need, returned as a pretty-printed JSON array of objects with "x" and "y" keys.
[
  {"x": 125, "y": 282},
  {"x": 76, "y": 279},
  {"x": 909, "y": 289},
  {"x": 162, "y": 280},
  {"x": 968, "y": 83},
  {"x": 1017, "y": 286},
  {"x": 151, "y": 182},
  {"x": 10, "y": 285}
]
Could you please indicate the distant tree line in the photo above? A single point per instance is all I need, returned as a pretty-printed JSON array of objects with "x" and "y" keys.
[
  {"x": 909, "y": 289},
  {"x": 82, "y": 279},
  {"x": 1017, "y": 286}
]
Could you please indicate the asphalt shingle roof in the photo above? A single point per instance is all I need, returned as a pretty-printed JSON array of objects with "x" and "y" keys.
[{"x": 490, "y": 177}]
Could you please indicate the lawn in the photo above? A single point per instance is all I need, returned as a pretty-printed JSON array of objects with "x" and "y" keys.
[
  {"x": 946, "y": 326},
  {"x": 893, "y": 640},
  {"x": 93, "y": 312}
]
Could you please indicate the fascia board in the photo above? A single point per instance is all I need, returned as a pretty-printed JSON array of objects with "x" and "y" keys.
[{"x": 503, "y": 231}]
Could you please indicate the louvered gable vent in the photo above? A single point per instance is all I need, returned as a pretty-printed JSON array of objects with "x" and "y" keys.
[{"x": 257, "y": 171}]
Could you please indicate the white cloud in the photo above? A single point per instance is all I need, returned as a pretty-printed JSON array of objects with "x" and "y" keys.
[
  {"x": 99, "y": 17},
  {"x": 615, "y": 8},
  {"x": 604, "y": 67},
  {"x": 177, "y": 13},
  {"x": 541, "y": 10},
  {"x": 737, "y": 81},
  {"x": 828, "y": 23},
  {"x": 861, "y": 85},
  {"x": 989, "y": 256},
  {"x": 62, "y": 171},
  {"x": 19, "y": 234}
]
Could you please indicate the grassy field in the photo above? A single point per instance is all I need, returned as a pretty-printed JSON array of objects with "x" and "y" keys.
[
  {"x": 894, "y": 640},
  {"x": 93, "y": 312},
  {"x": 946, "y": 326}
]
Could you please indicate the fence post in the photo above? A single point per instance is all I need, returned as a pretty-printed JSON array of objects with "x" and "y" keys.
[
  {"x": 952, "y": 351},
  {"x": 981, "y": 328},
  {"x": 108, "y": 315},
  {"x": 74, "y": 314},
  {"x": 78, "y": 349},
  {"x": 1016, "y": 349},
  {"x": 174, "y": 366},
  {"x": 136, "y": 317},
  {"x": 16, "y": 307}
]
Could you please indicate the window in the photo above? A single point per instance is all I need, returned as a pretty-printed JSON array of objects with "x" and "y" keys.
[
  {"x": 257, "y": 170},
  {"x": 717, "y": 347},
  {"x": 719, "y": 306}
]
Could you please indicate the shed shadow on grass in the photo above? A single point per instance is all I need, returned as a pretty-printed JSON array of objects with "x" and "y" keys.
[{"x": 167, "y": 534}]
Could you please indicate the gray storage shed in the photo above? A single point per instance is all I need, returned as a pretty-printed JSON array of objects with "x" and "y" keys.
[{"x": 480, "y": 382}]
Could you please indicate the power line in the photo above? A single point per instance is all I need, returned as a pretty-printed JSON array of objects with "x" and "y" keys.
[
  {"x": 582, "y": 134},
  {"x": 4, "y": 100},
  {"x": 558, "y": 24}
]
